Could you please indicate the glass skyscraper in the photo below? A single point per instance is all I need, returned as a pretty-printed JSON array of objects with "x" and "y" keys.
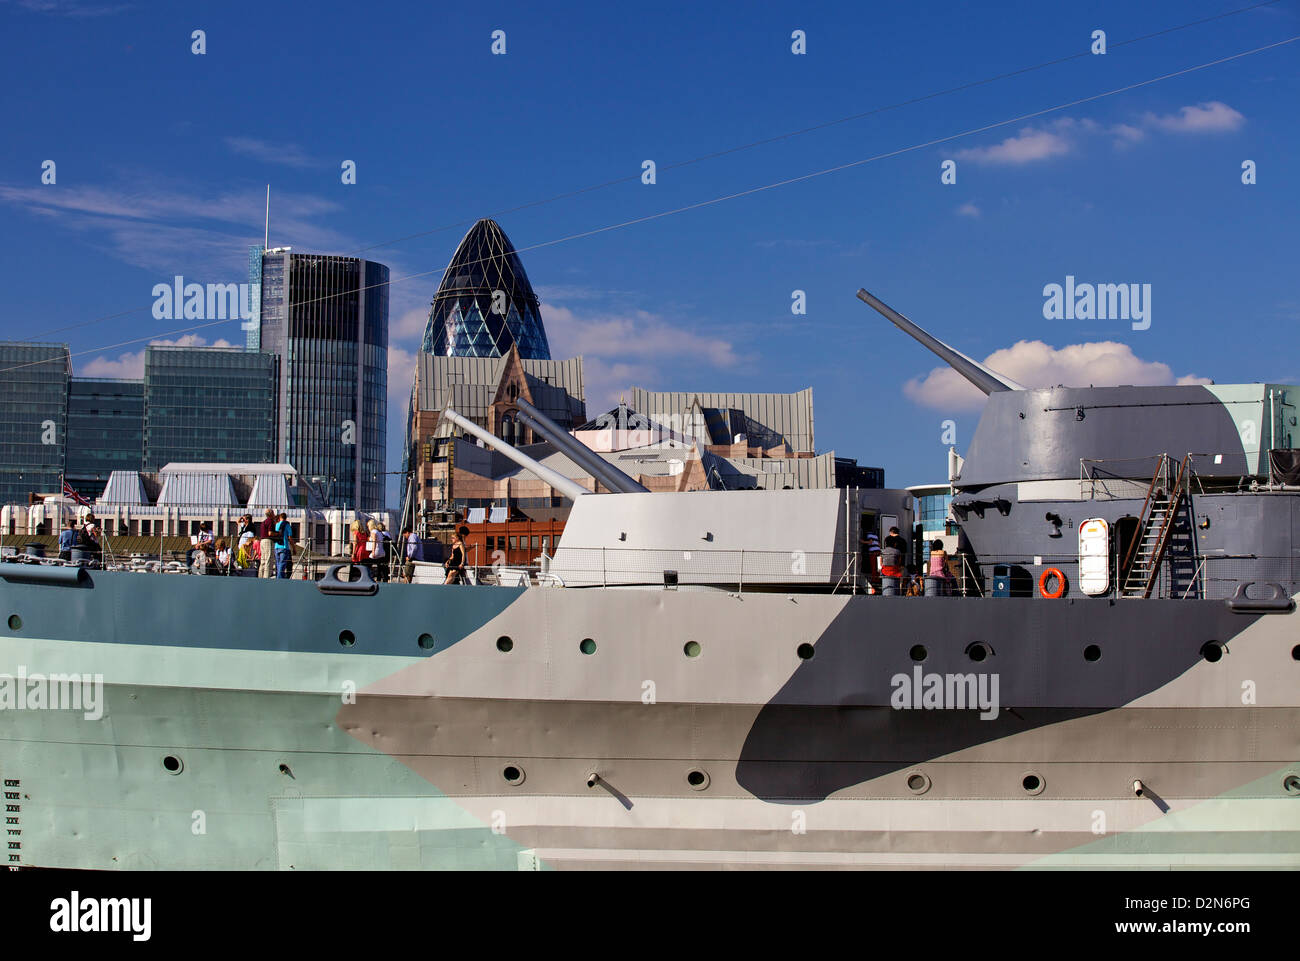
[
  {"x": 209, "y": 404},
  {"x": 252, "y": 327},
  {"x": 326, "y": 317},
  {"x": 33, "y": 418},
  {"x": 485, "y": 303},
  {"x": 105, "y": 431}
]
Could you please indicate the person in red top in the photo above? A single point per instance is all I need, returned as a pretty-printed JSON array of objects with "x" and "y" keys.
[{"x": 360, "y": 545}]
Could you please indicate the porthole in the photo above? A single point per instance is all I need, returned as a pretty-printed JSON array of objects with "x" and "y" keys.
[
  {"x": 918, "y": 782},
  {"x": 1032, "y": 783},
  {"x": 425, "y": 641},
  {"x": 805, "y": 651},
  {"x": 16, "y": 623},
  {"x": 918, "y": 652},
  {"x": 978, "y": 651},
  {"x": 1212, "y": 651},
  {"x": 1291, "y": 784},
  {"x": 172, "y": 764},
  {"x": 587, "y": 646},
  {"x": 692, "y": 649},
  {"x": 505, "y": 645},
  {"x": 1092, "y": 653},
  {"x": 512, "y": 774},
  {"x": 347, "y": 638},
  {"x": 697, "y": 779},
  {"x": 1295, "y": 651}
]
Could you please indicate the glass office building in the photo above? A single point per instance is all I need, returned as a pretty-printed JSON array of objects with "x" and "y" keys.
[
  {"x": 209, "y": 404},
  {"x": 105, "y": 431},
  {"x": 932, "y": 503},
  {"x": 252, "y": 326},
  {"x": 33, "y": 418},
  {"x": 326, "y": 317},
  {"x": 485, "y": 302}
]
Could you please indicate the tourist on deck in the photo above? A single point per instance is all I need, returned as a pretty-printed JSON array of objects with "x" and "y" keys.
[
  {"x": 378, "y": 550},
  {"x": 454, "y": 565},
  {"x": 939, "y": 567},
  {"x": 266, "y": 545},
  {"x": 284, "y": 545},
  {"x": 892, "y": 559},
  {"x": 414, "y": 549},
  {"x": 245, "y": 529},
  {"x": 90, "y": 534},
  {"x": 245, "y": 555},
  {"x": 67, "y": 540},
  {"x": 199, "y": 541},
  {"x": 871, "y": 559},
  {"x": 360, "y": 544},
  {"x": 223, "y": 556}
]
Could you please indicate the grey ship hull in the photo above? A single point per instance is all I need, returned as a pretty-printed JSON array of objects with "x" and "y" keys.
[{"x": 804, "y": 761}]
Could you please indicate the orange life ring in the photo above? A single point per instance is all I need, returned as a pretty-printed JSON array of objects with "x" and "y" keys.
[{"x": 1060, "y": 583}]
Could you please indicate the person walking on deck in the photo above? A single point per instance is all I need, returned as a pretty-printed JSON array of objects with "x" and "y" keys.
[
  {"x": 284, "y": 545},
  {"x": 266, "y": 535}
]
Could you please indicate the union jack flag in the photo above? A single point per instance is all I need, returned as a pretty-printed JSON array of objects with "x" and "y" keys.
[{"x": 69, "y": 492}]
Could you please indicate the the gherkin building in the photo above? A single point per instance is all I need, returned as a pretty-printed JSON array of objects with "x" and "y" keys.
[{"x": 485, "y": 303}]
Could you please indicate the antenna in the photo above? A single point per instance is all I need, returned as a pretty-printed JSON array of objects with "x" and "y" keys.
[{"x": 266, "y": 237}]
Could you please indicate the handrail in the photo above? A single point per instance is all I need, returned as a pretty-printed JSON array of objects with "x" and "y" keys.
[
  {"x": 965, "y": 568},
  {"x": 1162, "y": 539},
  {"x": 1131, "y": 554},
  {"x": 850, "y": 572}
]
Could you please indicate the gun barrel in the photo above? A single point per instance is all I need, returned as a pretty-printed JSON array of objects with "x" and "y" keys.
[
  {"x": 595, "y": 465},
  {"x": 986, "y": 380},
  {"x": 566, "y": 486}
]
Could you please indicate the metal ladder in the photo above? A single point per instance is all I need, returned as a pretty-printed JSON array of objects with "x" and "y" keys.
[{"x": 1156, "y": 522}]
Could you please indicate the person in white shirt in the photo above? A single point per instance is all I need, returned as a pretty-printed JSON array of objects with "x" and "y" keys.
[{"x": 223, "y": 555}]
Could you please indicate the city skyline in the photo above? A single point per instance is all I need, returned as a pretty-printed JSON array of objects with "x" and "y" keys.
[{"x": 1144, "y": 187}]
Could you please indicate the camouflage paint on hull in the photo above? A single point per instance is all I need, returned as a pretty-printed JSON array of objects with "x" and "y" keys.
[{"x": 805, "y": 763}]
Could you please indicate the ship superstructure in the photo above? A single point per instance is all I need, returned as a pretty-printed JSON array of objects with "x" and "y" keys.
[{"x": 699, "y": 680}]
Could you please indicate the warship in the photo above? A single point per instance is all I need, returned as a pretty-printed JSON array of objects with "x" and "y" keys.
[{"x": 701, "y": 679}]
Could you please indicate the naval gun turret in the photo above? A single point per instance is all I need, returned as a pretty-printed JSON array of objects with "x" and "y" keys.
[
  {"x": 729, "y": 540},
  {"x": 1183, "y": 467}
]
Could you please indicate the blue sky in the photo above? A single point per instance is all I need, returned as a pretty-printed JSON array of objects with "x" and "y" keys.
[{"x": 162, "y": 157}]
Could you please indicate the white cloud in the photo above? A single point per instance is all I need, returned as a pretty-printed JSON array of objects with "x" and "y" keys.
[
  {"x": 288, "y": 155},
  {"x": 968, "y": 209},
  {"x": 173, "y": 231},
  {"x": 409, "y": 325},
  {"x": 1061, "y": 136},
  {"x": 1208, "y": 117},
  {"x": 1126, "y": 133},
  {"x": 401, "y": 375},
  {"x": 1035, "y": 364},
  {"x": 131, "y": 364},
  {"x": 71, "y": 8},
  {"x": 1026, "y": 147},
  {"x": 170, "y": 231},
  {"x": 623, "y": 347}
]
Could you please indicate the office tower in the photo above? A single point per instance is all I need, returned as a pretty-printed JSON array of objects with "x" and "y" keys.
[
  {"x": 326, "y": 317},
  {"x": 485, "y": 303},
  {"x": 105, "y": 431},
  {"x": 33, "y": 418},
  {"x": 209, "y": 405}
]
